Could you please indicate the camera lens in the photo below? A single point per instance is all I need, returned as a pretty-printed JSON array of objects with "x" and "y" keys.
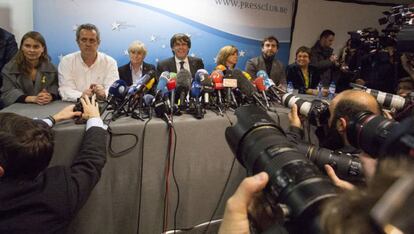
[
  {"x": 260, "y": 145},
  {"x": 369, "y": 132}
]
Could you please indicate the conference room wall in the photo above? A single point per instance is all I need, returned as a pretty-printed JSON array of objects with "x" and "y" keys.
[{"x": 312, "y": 17}]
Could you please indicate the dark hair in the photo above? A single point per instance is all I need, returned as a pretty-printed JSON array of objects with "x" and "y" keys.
[
  {"x": 23, "y": 65},
  {"x": 26, "y": 146},
  {"x": 180, "y": 37},
  {"x": 407, "y": 79},
  {"x": 326, "y": 33},
  {"x": 303, "y": 49},
  {"x": 89, "y": 27},
  {"x": 348, "y": 108},
  {"x": 270, "y": 38}
]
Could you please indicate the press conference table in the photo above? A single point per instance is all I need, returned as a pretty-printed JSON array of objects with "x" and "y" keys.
[{"x": 202, "y": 163}]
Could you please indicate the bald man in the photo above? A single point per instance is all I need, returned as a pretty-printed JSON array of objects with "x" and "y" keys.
[{"x": 344, "y": 107}]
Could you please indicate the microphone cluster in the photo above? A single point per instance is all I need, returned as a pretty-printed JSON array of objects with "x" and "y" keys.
[{"x": 178, "y": 93}]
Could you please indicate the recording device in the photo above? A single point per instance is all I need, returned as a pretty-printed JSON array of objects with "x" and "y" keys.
[
  {"x": 317, "y": 111},
  {"x": 137, "y": 89},
  {"x": 295, "y": 183},
  {"x": 183, "y": 86},
  {"x": 369, "y": 132},
  {"x": 217, "y": 77},
  {"x": 246, "y": 87},
  {"x": 259, "y": 82},
  {"x": 347, "y": 166},
  {"x": 116, "y": 93},
  {"x": 195, "y": 106}
]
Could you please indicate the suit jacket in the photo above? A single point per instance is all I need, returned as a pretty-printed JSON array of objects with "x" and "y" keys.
[
  {"x": 48, "y": 203},
  {"x": 170, "y": 65},
  {"x": 126, "y": 75},
  {"x": 8, "y": 48},
  {"x": 277, "y": 73},
  {"x": 16, "y": 83}
]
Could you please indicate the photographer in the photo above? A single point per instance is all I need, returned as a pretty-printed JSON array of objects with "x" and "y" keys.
[{"x": 37, "y": 199}]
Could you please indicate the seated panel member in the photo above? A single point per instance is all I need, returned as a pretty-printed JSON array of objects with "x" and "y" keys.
[
  {"x": 30, "y": 77},
  {"x": 304, "y": 77},
  {"x": 180, "y": 45},
  {"x": 268, "y": 62},
  {"x": 33, "y": 197},
  {"x": 228, "y": 56},
  {"x": 86, "y": 71},
  {"x": 136, "y": 68}
]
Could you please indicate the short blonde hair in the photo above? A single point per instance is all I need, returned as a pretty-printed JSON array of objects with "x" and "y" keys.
[
  {"x": 224, "y": 53},
  {"x": 137, "y": 46}
]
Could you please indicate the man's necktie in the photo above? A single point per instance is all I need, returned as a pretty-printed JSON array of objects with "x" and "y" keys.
[{"x": 182, "y": 65}]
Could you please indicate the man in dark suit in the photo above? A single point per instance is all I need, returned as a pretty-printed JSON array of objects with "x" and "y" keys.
[
  {"x": 180, "y": 45},
  {"x": 268, "y": 62},
  {"x": 136, "y": 67},
  {"x": 37, "y": 199}
]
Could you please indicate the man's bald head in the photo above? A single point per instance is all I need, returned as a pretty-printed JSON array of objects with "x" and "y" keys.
[{"x": 350, "y": 102}]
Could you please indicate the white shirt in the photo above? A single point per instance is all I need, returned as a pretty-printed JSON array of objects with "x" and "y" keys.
[
  {"x": 186, "y": 64},
  {"x": 75, "y": 76},
  {"x": 137, "y": 75}
]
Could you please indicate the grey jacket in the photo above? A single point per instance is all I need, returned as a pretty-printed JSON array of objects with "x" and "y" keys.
[
  {"x": 16, "y": 83},
  {"x": 277, "y": 73}
]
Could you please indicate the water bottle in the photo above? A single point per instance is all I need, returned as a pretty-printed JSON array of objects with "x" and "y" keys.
[
  {"x": 320, "y": 90},
  {"x": 332, "y": 89},
  {"x": 289, "y": 88}
]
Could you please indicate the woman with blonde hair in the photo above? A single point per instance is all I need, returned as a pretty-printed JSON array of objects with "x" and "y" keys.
[{"x": 228, "y": 56}]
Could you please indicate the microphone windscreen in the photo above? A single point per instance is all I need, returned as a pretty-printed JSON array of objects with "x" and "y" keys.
[
  {"x": 173, "y": 75},
  {"x": 171, "y": 84},
  {"x": 184, "y": 78},
  {"x": 150, "y": 84},
  {"x": 207, "y": 81},
  {"x": 118, "y": 89},
  {"x": 200, "y": 74},
  {"x": 148, "y": 99},
  {"x": 247, "y": 75},
  {"x": 259, "y": 82},
  {"x": 162, "y": 83},
  {"x": 262, "y": 73},
  {"x": 165, "y": 74},
  {"x": 220, "y": 67},
  {"x": 243, "y": 83}
]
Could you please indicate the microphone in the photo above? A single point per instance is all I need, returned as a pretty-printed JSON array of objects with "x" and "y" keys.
[
  {"x": 116, "y": 92},
  {"x": 247, "y": 75},
  {"x": 148, "y": 99},
  {"x": 259, "y": 82},
  {"x": 246, "y": 87},
  {"x": 183, "y": 86},
  {"x": 161, "y": 88},
  {"x": 171, "y": 85},
  {"x": 217, "y": 77},
  {"x": 270, "y": 85},
  {"x": 230, "y": 83},
  {"x": 206, "y": 84}
]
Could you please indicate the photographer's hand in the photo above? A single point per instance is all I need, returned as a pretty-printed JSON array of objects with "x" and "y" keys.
[
  {"x": 66, "y": 113},
  {"x": 235, "y": 216},
  {"x": 342, "y": 184},
  {"x": 90, "y": 107},
  {"x": 294, "y": 117}
]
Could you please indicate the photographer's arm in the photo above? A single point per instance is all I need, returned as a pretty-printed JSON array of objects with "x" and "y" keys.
[{"x": 235, "y": 215}]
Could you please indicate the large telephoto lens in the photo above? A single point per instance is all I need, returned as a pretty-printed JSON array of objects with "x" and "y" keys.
[
  {"x": 260, "y": 145},
  {"x": 317, "y": 111},
  {"x": 346, "y": 166},
  {"x": 369, "y": 132}
]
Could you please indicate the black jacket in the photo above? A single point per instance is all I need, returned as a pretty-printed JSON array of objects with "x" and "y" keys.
[
  {"x": 294, "y": 74},
  {"x": 48, "y": 203},
  {"x": 170, "y": 65},
  {"x": 126, "y": 75}
]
